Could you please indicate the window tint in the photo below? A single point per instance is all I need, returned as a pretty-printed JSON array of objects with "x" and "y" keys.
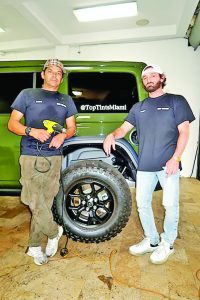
[
  {"x": 11, "y": 85},
  {"x": 39, "y": 80},
  {"x": 103, "y": 92}
]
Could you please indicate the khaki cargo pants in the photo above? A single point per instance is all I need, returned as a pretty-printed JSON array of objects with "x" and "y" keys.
[{"x": 38, "y": 192}]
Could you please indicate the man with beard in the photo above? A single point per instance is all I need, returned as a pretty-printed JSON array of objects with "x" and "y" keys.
[{"x": 162, "y": 123}]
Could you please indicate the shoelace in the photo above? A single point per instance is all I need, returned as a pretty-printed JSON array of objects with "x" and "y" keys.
[
  {"x": 161, "y": 247},
  {"x": 39, "y": 253},
  {"x": 37, "y": 250}
]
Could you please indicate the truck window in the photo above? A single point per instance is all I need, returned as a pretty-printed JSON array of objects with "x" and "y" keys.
[
  {"x": 39, "y": 80},
  {"x": 11, "y": 85},
  {"x": 96, "y": 92}
]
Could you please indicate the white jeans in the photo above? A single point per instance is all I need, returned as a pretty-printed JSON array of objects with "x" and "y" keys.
[{"x": 146, "y": 183}]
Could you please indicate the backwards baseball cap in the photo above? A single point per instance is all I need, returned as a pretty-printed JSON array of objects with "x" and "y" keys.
[
  {"x": 54, "y": 62},
  {"x": 152, "y": 69}
]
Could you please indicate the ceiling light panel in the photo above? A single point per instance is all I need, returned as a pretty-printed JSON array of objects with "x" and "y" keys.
[{"x": 105, "y": 12}]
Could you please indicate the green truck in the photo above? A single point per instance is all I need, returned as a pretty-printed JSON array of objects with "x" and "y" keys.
[{"x": 94, "y": 201}]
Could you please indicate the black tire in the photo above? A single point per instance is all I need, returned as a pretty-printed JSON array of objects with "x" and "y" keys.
[{"x": 96, "y": 204}]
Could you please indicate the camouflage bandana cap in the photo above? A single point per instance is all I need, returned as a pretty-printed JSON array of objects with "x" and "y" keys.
[{"x": 54, "y": 62}]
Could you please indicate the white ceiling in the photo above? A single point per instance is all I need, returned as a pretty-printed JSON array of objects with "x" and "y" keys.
[{"x": 43, "y": 24}]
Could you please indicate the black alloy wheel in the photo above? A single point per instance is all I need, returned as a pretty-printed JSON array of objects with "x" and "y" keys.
[{"x": 94, "y": 203}]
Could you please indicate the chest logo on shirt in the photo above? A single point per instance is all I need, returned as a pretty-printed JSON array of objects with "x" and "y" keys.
[
  {"x": 38, "y": 101},
  {"x": 143, "y": 110},
  {"x": 61, "y": 104},
  {"x": 162, "y": 108}
]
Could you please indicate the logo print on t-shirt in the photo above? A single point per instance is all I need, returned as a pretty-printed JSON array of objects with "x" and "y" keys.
[
  {"x": 162, "y": 108},
  {"x": 61, "y": 104}
]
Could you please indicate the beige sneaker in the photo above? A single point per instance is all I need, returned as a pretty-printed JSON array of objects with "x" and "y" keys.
[
  {"x": 143, "y": 247},
  {"x": 40, "y": 257},
  {"x": 52, "y": 244},
  {"x": 161, "y": 254}
]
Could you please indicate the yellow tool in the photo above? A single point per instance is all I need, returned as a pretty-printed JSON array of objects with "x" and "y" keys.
[{"x": 54, "y": 127}]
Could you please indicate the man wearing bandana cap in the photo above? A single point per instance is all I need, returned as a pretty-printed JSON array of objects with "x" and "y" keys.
[
  {"x": 41, "y": 154},
  {"x": 162, "y": 123}
]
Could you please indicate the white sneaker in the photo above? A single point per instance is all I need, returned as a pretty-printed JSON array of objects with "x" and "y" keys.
[
  {"x": 143, "y": 247},
  {"x": 52, "y": 245},
  {"x": 161, "y": 254},
  {"x": 40, "y": 257}
]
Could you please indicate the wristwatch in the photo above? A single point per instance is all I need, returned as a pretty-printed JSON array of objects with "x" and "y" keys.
[
  {"x": 28, "y": 130},
  {"x": 177, "y": 158}
]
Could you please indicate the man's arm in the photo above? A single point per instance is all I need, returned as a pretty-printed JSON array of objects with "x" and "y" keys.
[
  {"x": 14, "y": 124},
  {"x": 58, "y": 140},
  {"x": 71, "y": 127},
  {"x": 120, "y": 132},
  {"x": 18, "y": 128},
  {"x": 172, "y": 165}
]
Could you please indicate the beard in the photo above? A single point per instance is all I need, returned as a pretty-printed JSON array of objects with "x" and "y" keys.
[{"x": 152, "y": 87}]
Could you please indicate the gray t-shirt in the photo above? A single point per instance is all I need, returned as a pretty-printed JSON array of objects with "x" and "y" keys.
[
  {"x": 156, "y": 121},
  {"x": 38, "y": 105}
]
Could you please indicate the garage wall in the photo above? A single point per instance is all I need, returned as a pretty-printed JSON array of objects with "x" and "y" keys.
[{"x": 180, "y": 63}]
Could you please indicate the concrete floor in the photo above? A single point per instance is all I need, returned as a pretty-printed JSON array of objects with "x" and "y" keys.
[{"x": 102, "y": 271}]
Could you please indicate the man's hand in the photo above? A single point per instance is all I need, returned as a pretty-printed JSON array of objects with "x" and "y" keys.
[
  {"x": 172, "y": 166},
  {"x": 57, "y": 140},
  {"x": 119, "y": 133},
  {"x": 40, "y": 134},
  {"x": 108, "y": 143}
]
